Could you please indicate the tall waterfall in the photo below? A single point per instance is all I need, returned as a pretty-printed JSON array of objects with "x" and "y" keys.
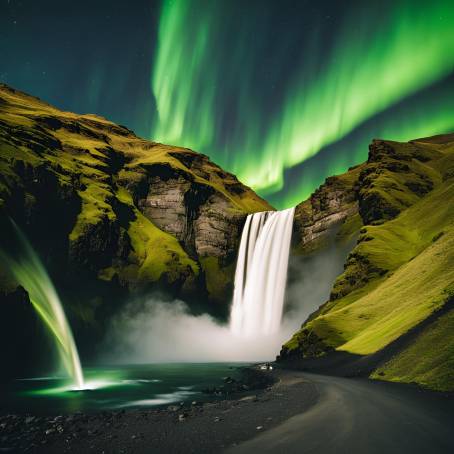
[
  {"x": 29, "y": 272},
  {"x": 261, "y": 273}
]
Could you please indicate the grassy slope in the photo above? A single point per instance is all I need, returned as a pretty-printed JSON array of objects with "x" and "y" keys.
[
  {"x": 82, "y": 148},
  {"x": 410, "y": 262},
  {"x": 429, "y": 361},
  {"x": 421, "y": 270}
]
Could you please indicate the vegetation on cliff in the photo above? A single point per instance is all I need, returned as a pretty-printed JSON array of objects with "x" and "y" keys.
[
  {"x": 107, "y": 204},
  {"x": 402, "y": 268}
]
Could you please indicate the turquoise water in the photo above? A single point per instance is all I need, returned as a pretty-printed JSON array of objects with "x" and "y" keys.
[{"x": 115, "y": 388}]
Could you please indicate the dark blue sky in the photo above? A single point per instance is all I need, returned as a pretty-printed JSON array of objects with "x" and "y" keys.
[
  {"x": 273, "y": 79},
  {"x": 87, "y": 57}
]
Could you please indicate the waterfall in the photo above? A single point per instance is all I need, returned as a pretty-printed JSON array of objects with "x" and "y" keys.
[
  {"x": 29, "y": 272},
  {"x": 261, "y": 273}
]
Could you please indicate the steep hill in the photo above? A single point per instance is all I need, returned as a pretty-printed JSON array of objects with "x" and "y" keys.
[
  {"x": 390, "y": 312},
  {"x": 102, "y": 205}
]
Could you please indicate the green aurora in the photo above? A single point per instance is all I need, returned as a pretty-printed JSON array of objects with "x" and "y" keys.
[
  {"x": 324, "y": 83},
  {"x": 428, "y": 113}
]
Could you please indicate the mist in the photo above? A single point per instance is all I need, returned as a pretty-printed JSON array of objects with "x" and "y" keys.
[
  {"x": 153, "y": 330},
  {"x": 311, "y": 278}
]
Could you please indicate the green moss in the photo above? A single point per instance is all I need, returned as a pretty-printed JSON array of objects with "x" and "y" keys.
[
  {"x": 95, "y": 208},
  {"x": 158, "y": 252},
  {"x": 154, "y": 252},
  {"x": 428, "y": 361}
]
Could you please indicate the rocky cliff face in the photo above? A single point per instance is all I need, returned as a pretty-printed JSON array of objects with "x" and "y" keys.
[
  {"x": 116, "y": 210},
  {"x": 197, "y": 215},
  {"x": 331, "y": 210},
  {"x": 396, "y": 290},
  {"x": 371, "y": 193}
]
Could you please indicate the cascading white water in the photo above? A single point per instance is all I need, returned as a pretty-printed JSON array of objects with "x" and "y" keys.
[{"x": 261, "y": 273}]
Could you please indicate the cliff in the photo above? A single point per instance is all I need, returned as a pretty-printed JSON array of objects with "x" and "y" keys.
[
  {"x": 109, "y": 210},
  {"x": 390, "y": 312},
  {"x": 331, "y": 211}
]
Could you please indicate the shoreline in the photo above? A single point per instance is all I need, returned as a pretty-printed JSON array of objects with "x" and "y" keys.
[
  {"x": 299, "y": 412},
  {"x": 253, "y": 404}
]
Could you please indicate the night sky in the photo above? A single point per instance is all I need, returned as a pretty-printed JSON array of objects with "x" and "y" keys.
[{"x": 282, "y": 93}]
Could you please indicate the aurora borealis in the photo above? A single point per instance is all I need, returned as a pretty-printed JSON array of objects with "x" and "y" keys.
[
  {"x": 338, "y": 81},
  {"x": 283, "y": 94}
]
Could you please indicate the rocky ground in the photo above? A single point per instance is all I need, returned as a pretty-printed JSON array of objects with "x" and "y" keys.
[
  {"x": 299, "y": 413},
  {"x": 187, "y": 427}
]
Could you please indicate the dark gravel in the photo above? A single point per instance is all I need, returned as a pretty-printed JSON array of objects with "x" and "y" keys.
[{"x": 186, "y": 428}]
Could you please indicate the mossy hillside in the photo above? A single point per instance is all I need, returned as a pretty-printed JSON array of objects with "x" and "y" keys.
[
  {"x": 395, "y": 177},
  {"x": 400, "y": 272},
  {"x": 381, "y": 250},
  {"x": 417, "y": 272},
  {"x": 428, "y": 361},
  {"x": 97, "y": 196},
  {"x": 403, "y": 300},
  {"x": 103, "y": 168}
]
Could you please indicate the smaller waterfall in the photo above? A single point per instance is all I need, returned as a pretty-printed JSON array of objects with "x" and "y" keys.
[
  {"x": 261, "y": 273},
  {"x": 29, "y": 272}
]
